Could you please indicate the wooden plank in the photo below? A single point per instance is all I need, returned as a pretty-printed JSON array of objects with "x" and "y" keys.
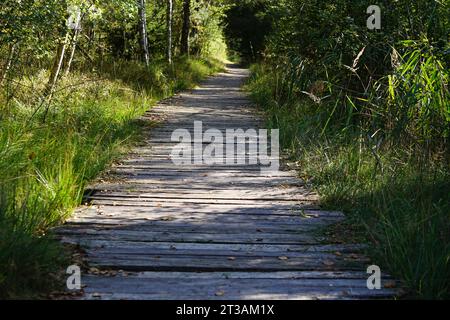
[
  {"x": 287, "y": 204},
  {"x": 199, "y": 227},
  {"x": 125, "y": 235},
  {"x": 187, "y": 263},
  {"x": 230, "y": 289},
  {"x": 225, "y": 215},
  {"x": 293, "y": 275},
  {"x": 257, "y": 222},
  {"x": 260, "y": 208},
  {"x": 194, "y": 251},
  {"x": 198, "y": 190},
  {"x": 262, "y": 249},
  {"x": 180, "y": 174},
  {"x": 197, "y": 183},
  {"x": 206, "y": 196}
]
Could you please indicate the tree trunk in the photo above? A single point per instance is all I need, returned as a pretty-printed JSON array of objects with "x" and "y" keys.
[
  {"x": 186, "y": 27},
  {"x": 169, "y": 30},
  {"x": 57, "y": 64},
  {"x": 8, "y": 64},
  {"x": 74, "y": 41},
  {"x": 143, "y": 31}
]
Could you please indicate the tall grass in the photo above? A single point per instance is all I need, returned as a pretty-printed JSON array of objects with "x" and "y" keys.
[
  {"x": 48, "y": 153},
  {"x": 381, "y": 156}
]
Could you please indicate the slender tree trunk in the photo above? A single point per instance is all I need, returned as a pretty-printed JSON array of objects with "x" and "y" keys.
[
  {"x": 169, "y": 30},
  {"x": 8, "y": 64},
  {"x": 143, "y": 31},
  {"x": 74, "y": 41},
  {"x": 57, "y": 64},
  {"x": 186, "y": 27}
]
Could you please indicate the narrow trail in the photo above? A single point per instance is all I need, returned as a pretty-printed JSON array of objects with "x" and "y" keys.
[{"x": 210, "y": 232}]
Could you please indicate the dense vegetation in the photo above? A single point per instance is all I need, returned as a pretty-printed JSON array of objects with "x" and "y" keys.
[
  {"x": 68, "y": 103},
  {"x": 366, "y": 114}
]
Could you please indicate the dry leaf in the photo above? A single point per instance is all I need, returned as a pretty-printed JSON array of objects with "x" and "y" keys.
[
  {"x": 283, "y": 258},
  {"x": 94, "y": 270},
  {"x": 232, "y": 258},
  {"x": 390, "y": 284},
  {"x": 169, "y": 218},
  {"x": 220, "y": 293}
]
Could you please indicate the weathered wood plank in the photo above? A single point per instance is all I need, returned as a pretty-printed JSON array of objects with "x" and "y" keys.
[
  {"x": 280, "y": 203},
  {"x": 216, "y": 221},
  {"x": 262, "y": 249},
  {"x": 240, "y": 289},
  {"x": 221, "y": 198},
  {"x": 168, "y": 208},
  {"x": 209, "y": 263}
]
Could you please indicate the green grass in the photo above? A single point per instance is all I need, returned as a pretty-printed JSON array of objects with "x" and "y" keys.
[
  {"x": 49, "y": 153},
  {"x": 396, "y": 195}
]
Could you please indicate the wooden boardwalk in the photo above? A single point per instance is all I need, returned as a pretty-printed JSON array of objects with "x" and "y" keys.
[{"x": 155, "y": 230}]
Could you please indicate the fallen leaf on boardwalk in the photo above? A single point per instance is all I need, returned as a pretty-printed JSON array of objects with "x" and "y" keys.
[
  {"x": 283, "y": 258},
  {"x": 304, "y": 215},
  {"x": 232, "y": 258},
  {"x": 390, "y": 285},
  {"x": 328, "y": 263},
  {"x": 167, "y": 218},
  {"x": 259, "y": 230},
  {"x": 220, "y": 293},
  {"x": 338, "y": 253},
  {"x": 94, "y": 270},
  {"x": 173, "y": 248},
  {"x": 96, "y": 295}
]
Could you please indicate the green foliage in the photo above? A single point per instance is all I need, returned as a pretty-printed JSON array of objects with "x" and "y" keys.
[
  {"x": 397, "y": 196},
  {"x": 366, "y": 114}
]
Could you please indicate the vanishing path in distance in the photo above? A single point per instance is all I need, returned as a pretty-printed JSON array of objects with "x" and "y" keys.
[{"x": 156, "y": 230}]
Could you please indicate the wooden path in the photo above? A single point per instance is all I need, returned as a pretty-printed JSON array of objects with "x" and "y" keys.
[{"x": 155, "y": 230}]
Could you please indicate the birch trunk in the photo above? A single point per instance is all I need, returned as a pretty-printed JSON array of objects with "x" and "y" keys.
[
  {"x": 8, "y": 64},
  {"x": 74, "y": 41},
  {"x": 169, "y": 30},
  {"x": 143, "y": 31},
  {"x": 57, "y": 65}
]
